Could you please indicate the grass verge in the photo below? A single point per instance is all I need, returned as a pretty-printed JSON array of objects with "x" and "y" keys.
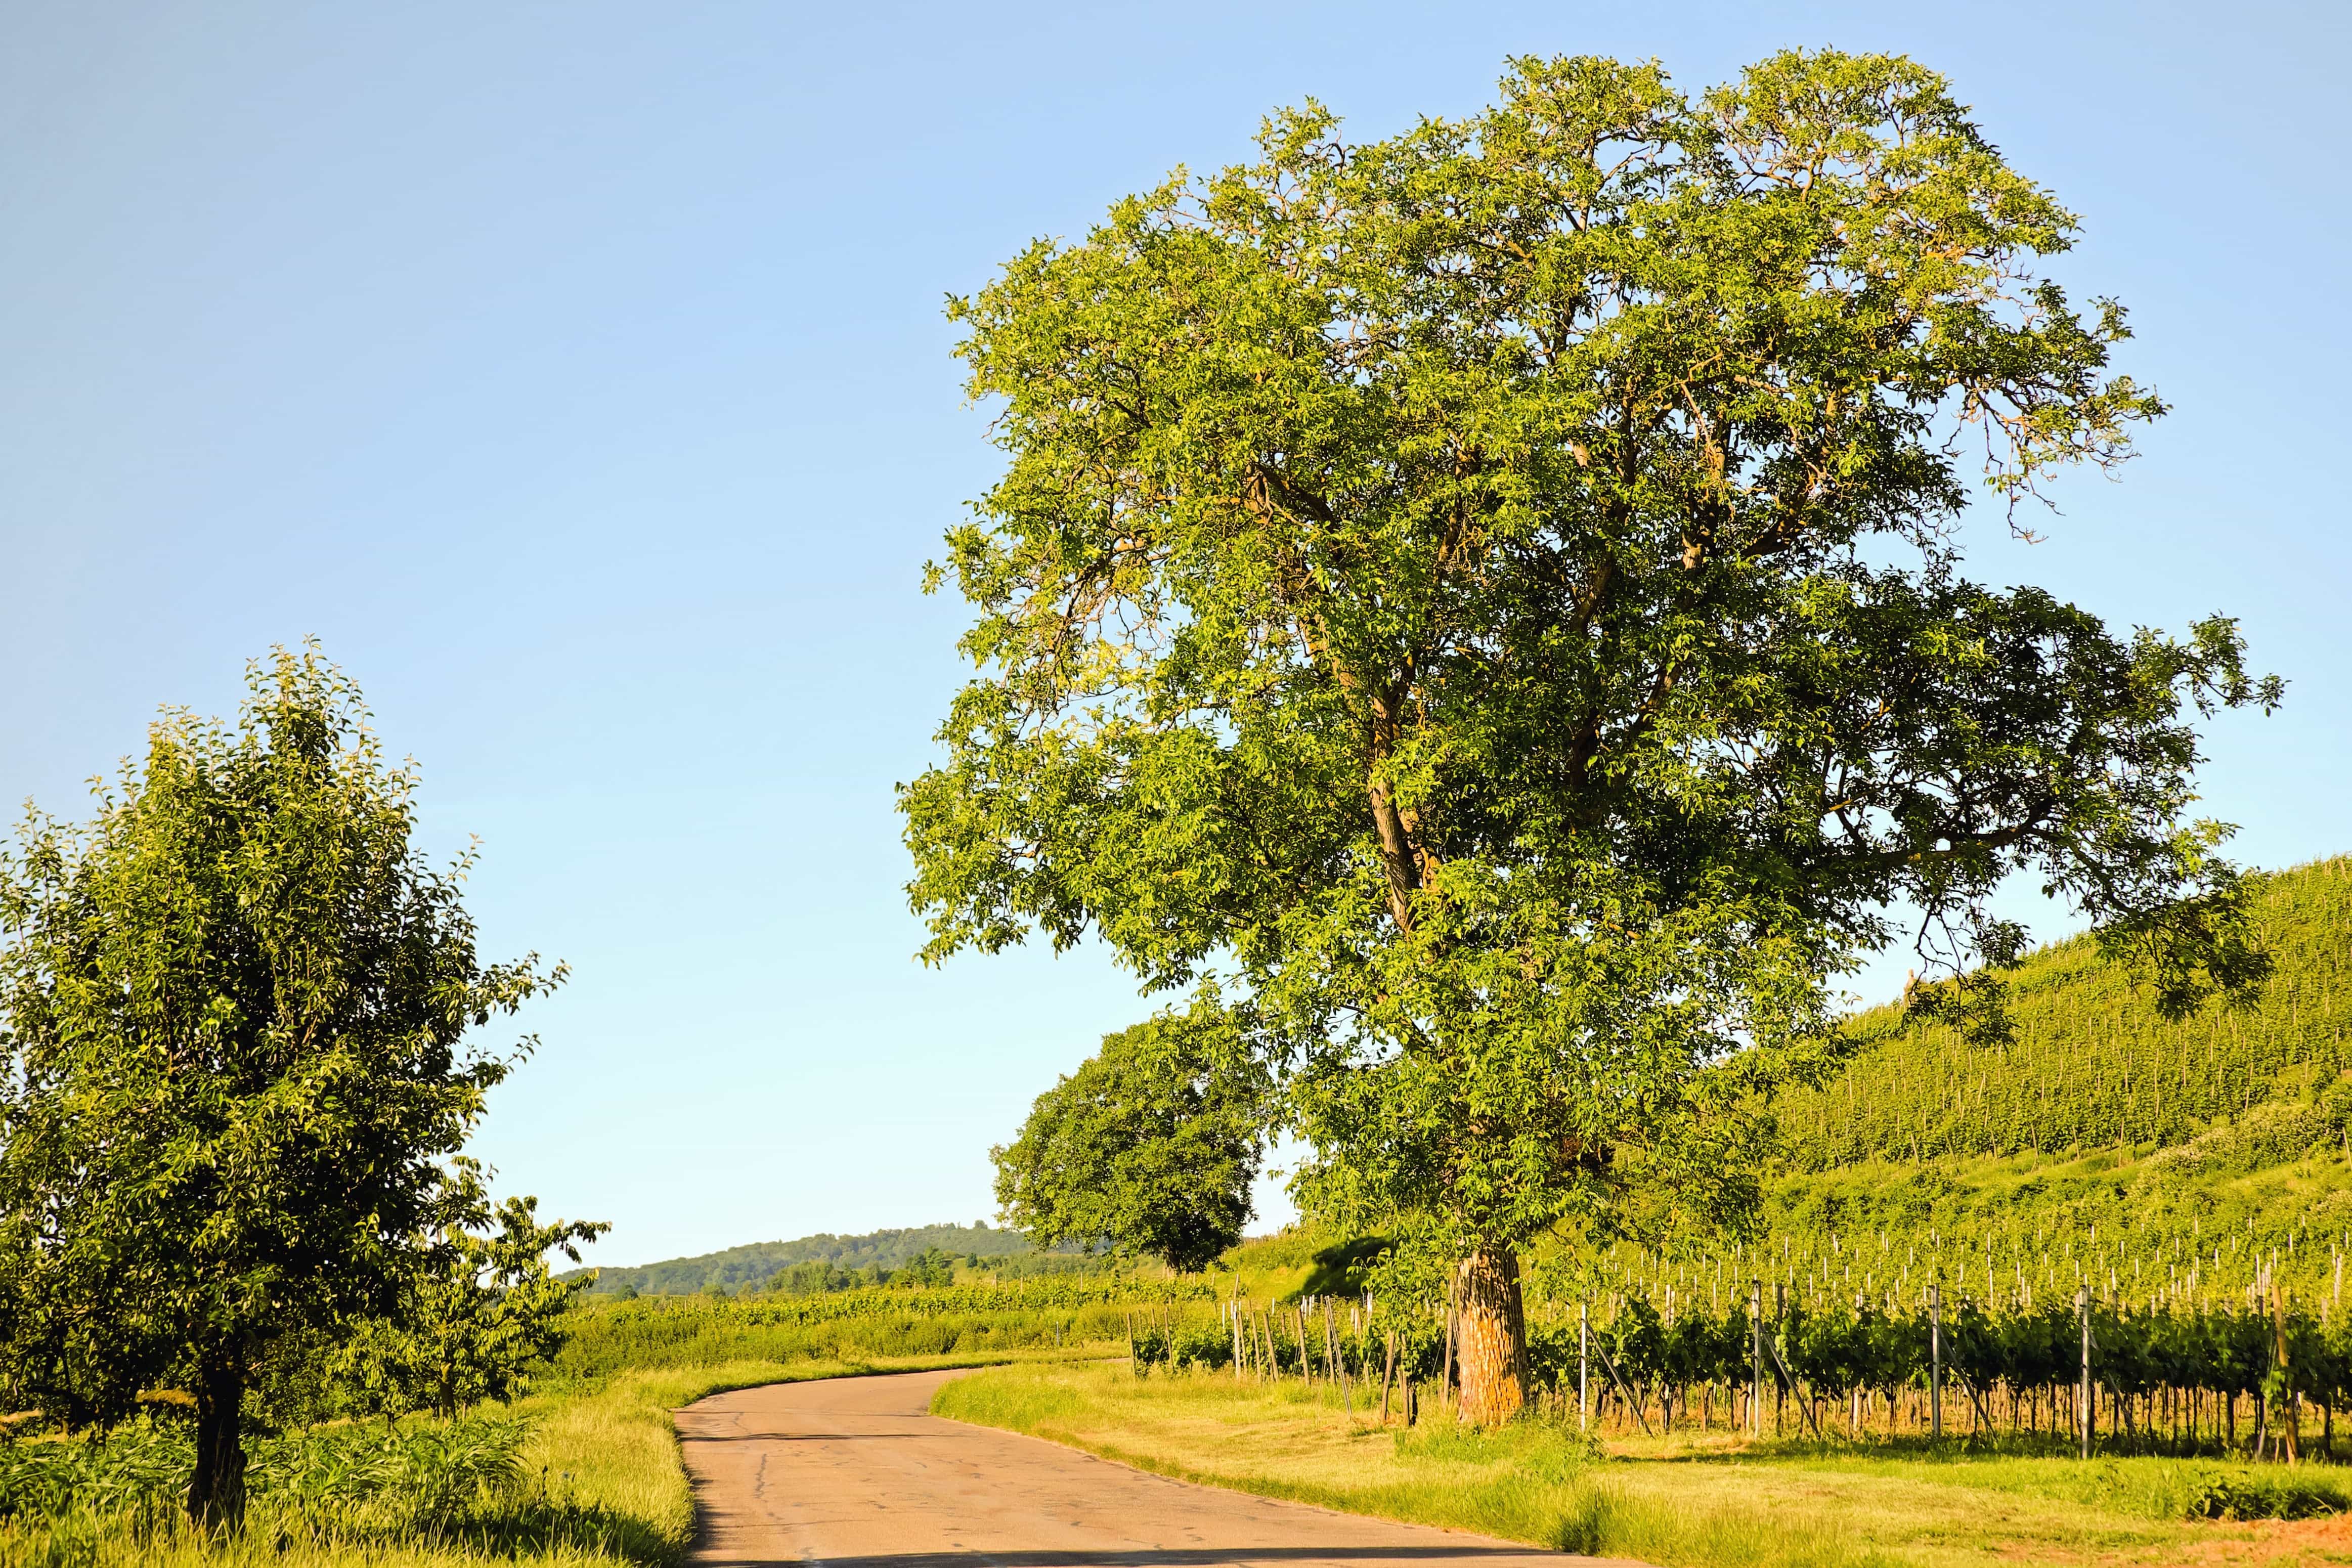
[{"x": 1676, "y": 1504}]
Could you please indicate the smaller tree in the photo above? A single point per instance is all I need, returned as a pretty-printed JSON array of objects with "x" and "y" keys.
[
  {"x": 814, "y": 1276},
  {"x": 483, "y": 1310},
  {"x": 234, "y": 1011},
  {"x": 1151, "y": 1146},
  {"x": 928, "y": 1269}
]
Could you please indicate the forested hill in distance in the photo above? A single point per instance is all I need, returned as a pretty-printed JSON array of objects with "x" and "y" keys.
[{"x": 758, "y": 1262}]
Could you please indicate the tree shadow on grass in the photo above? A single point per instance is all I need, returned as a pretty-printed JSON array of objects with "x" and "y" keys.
[
  {"x": 1341, "y": 1269},
  {"x": 542, "y": 1527}
]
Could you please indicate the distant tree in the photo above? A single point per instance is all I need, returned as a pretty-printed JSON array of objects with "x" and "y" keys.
[
  {"x": 235, "y": 1005},
  {"x": 814, "y": 1276},
  {"x": 480, "y": 1310},
  {"x": 1151, "y": 1146},
  {"x": 1493, "y": 596},
  {"x": 928, "y": 1269}
]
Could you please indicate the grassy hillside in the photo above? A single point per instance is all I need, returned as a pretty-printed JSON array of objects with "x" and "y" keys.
[
  {"x": 756, "y": 1264},
  {"x": 2092, "y": 1066},
  {"x": 2155, "y": 1161}
]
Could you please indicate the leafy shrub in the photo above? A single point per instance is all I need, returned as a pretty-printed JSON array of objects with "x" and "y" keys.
[
  {"x": 2269, "y": 1134},
  {"x": 2285, "y": 1494}
]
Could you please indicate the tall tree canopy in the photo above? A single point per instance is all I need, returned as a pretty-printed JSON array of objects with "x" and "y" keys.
[
  {"x": 234, "y": 1004},
  {"x": 1492, "y": 597},
  {"x": 1151, "y": 1146}
]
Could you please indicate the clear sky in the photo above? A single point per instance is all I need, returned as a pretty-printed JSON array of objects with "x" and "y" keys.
[{"x": 577, "y": 373}]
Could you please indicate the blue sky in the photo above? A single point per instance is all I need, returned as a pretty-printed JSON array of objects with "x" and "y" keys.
[{"x": 577, "y": 373}]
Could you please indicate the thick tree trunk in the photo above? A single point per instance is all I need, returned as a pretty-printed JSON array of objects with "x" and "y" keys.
[
  {"x": 216, "y": 1488},
  {"x": 1493, "y": 1333}
]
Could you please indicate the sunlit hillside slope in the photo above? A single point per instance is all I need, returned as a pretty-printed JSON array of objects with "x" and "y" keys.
[
  {"x": 2104, "y": 1145},
  {"x": 2092, "y": 1066}
]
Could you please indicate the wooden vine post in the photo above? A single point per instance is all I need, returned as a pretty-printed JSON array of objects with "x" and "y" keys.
[
  {"x": 1756, "y": 1358},
  {"x": 1779, "y": 1388},
  {"x": 2083, "y": 1413},
  {"x": 1935, "y": 1359},
  {"x": 1583, "y": 1367},
  {"x": 1336, "y": 1355},
  {"x": 2294, "y": 1411}
]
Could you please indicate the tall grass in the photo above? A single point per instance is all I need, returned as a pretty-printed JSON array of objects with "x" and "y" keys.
[{"x": 409, "y": 1472}]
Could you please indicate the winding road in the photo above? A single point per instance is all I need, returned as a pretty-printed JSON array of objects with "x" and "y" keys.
[{"x": 856, "y": 1473}]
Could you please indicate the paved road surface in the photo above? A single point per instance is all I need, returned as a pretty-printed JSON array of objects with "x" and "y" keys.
[{"x": 854, "y": 1474}]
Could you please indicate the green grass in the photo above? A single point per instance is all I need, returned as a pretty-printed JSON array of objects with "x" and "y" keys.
[{"x": 1680, "y": 1503}]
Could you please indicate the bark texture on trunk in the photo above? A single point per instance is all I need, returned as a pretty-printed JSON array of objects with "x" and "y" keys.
[
  {"x": 1493, "y": 1332},
  {"x": 216, "y": 1488}
]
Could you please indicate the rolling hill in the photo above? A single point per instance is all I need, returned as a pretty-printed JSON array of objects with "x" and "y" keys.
[
  {"x": 2102, "y": 1144},
  {"x": 757, "y": 1262},
  {"x": 2092, "y": 1066}
]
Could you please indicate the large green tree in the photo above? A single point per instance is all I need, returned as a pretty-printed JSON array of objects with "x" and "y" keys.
[
  {"x": 235, "y": 1005},
  {"x": 1151, "y": 1146},
  {"x": 1492, "y": 598}
]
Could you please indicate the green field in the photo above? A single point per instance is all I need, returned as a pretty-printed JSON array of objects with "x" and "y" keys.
[
  {"x": 596, "y": 1479},
  {"x": 1691, "y": 1502},
  {"x": 1017, "y": 1317},
  {"x": 2092, "y": 1065}
]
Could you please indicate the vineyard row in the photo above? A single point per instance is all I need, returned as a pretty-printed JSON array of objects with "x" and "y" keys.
[{"x": 2228, "y": 1379}]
